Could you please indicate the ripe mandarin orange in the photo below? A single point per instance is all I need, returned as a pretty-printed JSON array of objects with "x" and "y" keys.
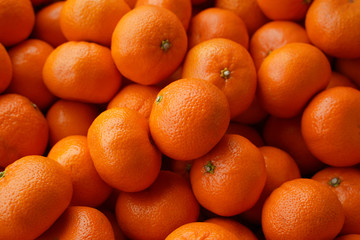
[
  {"x": 202, "y": 230},
  {"x": 188, "y": 118},
  {"x": 148, "y": 39},
  {"x": 255, "y": 113},
  {"x": 80, "y": 222},
  {"x": 17, "y": 20},
  {"x": 23, "y": 129},
  {"x": 181, "y": 8},
  {"x": 233, "y": 226},
  {"x": 91, "y": 20},
  {"x": 302, "y": 209},
  {"x": 137, "y": 97},
  {"x": 35, "y": 191},
  {"x": 332, "y": 26},
  {"x": 6, "y": 70},
  {"x": 157, "y": 211},
  {"x": 248, "y": 10},
  {"x": 280, "y": 167},
  {"x": 28, "y": 59},
  {"x": 285, "y": 133},
  {"x": 82, "y": 71},
  {"x": 330, "y": 126},
  {"x": 217, "y": 23},
  {"x": 226, "y": 64},
  {"x": 229, "y": 179},
  {"x": 290, "y": 76},
  {"x": 73, "y": 154},
  {"x": 274, "y": 35},
  {"x": 340, "y": 80},
  {"x": 121, "y": 149},
  {"x": 67, "y": 118},
  {"x": 284, "y": 9},
  {"x": 345, "y": 183},
  {"x": 47, "y": 24}
]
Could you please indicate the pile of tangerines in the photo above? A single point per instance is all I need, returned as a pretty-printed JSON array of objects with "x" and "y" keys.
[{"x": 179, "y": 119}]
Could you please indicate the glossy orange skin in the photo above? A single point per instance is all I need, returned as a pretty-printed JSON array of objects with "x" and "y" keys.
[
  {"x": 330, "y": 126},
  {"x": 137, "y": 97},
  {"x": 35, "y": 192},
  {"x": 349, "y": 237},
  {"x": 47, "y": 24},
  {"x": 274, "y": 35},
  {"x": 280, "y": 167},
  {"x": 79, "y": 222},
  {"x": 246, "y": 131},
  {"x": 157, "y": 211},
  {"x": 181, "y": 8},
  {"x": 332, "y": 25},
  {"x": 350, "y": 68},
  {"x": 91, "y": 20},
  {"x": 255, "y": 113},
  {"x": 17, "y": 19},
  {"x": 340, "y": 80},
  {"x": 217, "y": 23},
  {"x": 67, "y": 118},
  {"x": 189, "y": 118},
  {"x": 286, "y": 135},
  {"x": 348, "y": 192},
  {"x": 201, "y": 231},
  {"x": 290, "y": 76},
  {"x": 6, "y": 70},
  {"x": 302, "y": 209},
  {"x": 28, "y": 59},
  {"x": 235, "y": 227},
  {"x": 237, "y": 179},
  {"x": 73, "y": 154},
  {"x": 208, "y": 59},
  {"x": 81, "y": 71},
  {"x": 121, "y": 150},
  {"x": 137, "y": 40},
  {"x": 24, "y": 129},
  {"x": 248, "y": 10},
  {"x": 284, "y": 9}
]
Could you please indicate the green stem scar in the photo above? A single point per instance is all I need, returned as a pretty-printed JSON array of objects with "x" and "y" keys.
[
  {"x": 2, "y": 174},
  {"x": 225, "y": 73},
  {"x": 158, "y": 99},
  {"x": 188, "y": 167},
  {"x": 334, "y": 182},
  {"x": 209, "y": 167},
  {"x": 165, "y": 45}
]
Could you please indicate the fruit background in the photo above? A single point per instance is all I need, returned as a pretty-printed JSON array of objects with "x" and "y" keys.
[{"x": 179, "y": 119}]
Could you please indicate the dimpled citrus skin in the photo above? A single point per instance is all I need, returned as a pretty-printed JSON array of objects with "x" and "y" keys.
[
  {"x": 79, "y": 222},
  {"x": 35, "y": 191},
  {"x": 210, "y": 59},
  {"x": 290, "y": 76},
  {"x": 155, "y": 212},
  {"x": 6, "y": 71},
  {"x": 81, "y": 71},
  {"x": 23, "y": 129},
  {"x": 17, "y": 19},
  {"x": 188, "y": 118},
  {"x": 302, "y": 209},
  {"x": 330, "y": 126},
  {"x": 201, "y": 231},
  {"x": 121, "y": 150},
  {"x": 137, "y": 40}
]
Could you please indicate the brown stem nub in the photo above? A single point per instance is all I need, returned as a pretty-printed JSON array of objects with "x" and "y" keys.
[
  {"x": 165, "y": 45},
  {"x": 334, "y": 182},
  {"x": 209, "y": 167},
  {"x": 225, "y": 73}
]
